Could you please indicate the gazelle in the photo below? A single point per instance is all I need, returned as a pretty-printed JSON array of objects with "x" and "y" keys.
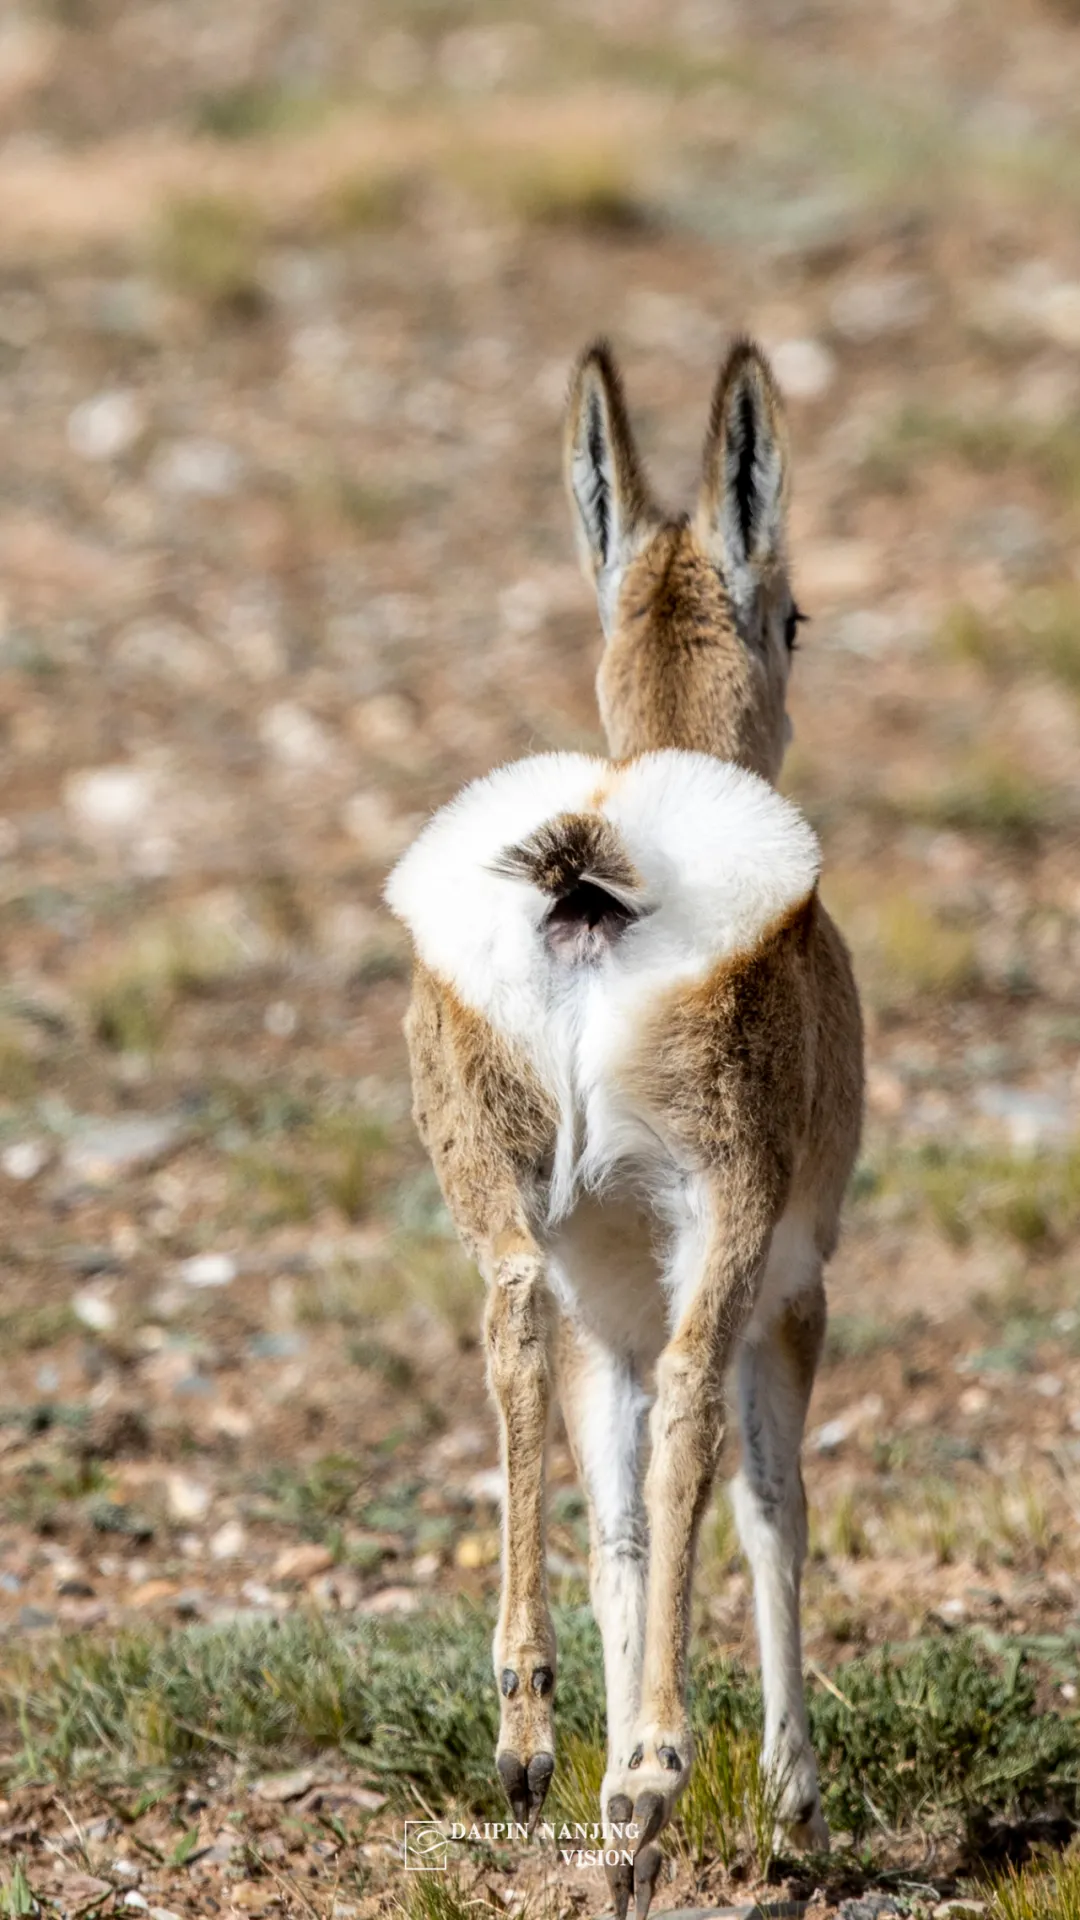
[{"x": 637, "y": 1064}]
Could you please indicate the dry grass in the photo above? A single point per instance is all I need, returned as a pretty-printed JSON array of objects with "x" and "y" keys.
[
  {"x": 588, "y": 185},
  {"x": 131, "y": 997},
  {"x": 1038, "y": 632},
  {"x": 209, "y": 247},
  {"x": 993, "y": 797},
  {"x": 1044, "y": 1889}
]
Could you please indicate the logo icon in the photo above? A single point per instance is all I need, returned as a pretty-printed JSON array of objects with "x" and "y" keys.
[{"x": 425, "y": 1847}]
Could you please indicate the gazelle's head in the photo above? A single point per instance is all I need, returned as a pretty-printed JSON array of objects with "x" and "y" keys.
[{"x": 697, "y": 612}]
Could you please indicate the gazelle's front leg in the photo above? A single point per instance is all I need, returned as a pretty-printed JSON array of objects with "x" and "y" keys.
[
  {"x": 519, "y": 1326},
  {"x": 714, "y": 1275}
]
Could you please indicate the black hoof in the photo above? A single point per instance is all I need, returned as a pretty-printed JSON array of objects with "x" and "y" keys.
[
  {"x": 508, "y": 1683},
  {"x": 620, "y": 1877},
  {"x": 647, "y": 1864},
  {"x": 669, "y": 1759},
  {"x": 542, "y": 1681},
  {"x": 648, "y": 1818}
]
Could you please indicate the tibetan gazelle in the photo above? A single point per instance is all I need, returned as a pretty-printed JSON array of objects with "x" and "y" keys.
[{"x": 637, "y": 1062}]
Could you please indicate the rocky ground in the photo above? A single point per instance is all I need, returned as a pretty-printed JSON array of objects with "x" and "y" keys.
[{"x": 287, "y": 303}]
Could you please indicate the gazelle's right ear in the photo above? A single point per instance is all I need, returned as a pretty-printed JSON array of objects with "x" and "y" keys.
[
  {"x": 604, "y": 476},
  {"x": 742, "y": 510}
]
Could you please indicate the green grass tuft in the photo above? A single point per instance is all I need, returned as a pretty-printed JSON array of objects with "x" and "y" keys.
[{"x": 937, "y": 1731}]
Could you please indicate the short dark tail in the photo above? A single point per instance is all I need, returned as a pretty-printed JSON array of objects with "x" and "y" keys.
[{"x": 573, "y": 850}]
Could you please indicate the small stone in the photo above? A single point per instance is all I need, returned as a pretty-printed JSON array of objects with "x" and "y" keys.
[
  {"x": 82, "y": 1614},
  {"x": 94, "y": 1309},
  {"x": 866, "y": 309},
  {"x": 149, "y": 1593},
  {"x": 278, "y": 1788},
  {"x": 163, "y": 1913},
  {"x": 1031, "y": 1119},
  {"x": 104, "y": 1152},
  {"x": 1048, "y": 1385},
  {"x": 302, "y": 1562},
  {"x": 109, "y": 801},
  {"x": 477, "y": 1550},
  {"x": 203, "y": 469},
  {"x": 426, "y": 1566},
  {"x": 295, "y": 738},
  {"x": 342, "y": 1795},
  {"x": 228, "y": 1542},
  {"x": 82, "y": 1887},
  {"x": 804, "y": 368},
  {"x": 487, "y": 1484},
  {"x": 24, "y": 1159},
  {"x": 188, "y": 1500},
  {"x": 207, "y": 1270},
  {"x": 379, "y": 832},
  {"x": 391, "y": 1600},
  {"x": 105, "y": 426},
  {"x": 251, "y": 1896}
]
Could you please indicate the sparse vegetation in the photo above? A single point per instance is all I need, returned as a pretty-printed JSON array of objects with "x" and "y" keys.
[
  {"x": 936, "y": 1733},
  {"x": 209, "y": 247},
  {"x": 990, "y": 796},
  {"x": 1045, "y": 1889},
  {"x": 132, "y": 997}
]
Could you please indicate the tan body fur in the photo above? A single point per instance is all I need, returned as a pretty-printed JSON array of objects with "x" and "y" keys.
[{"x": 749, "y": 1080}]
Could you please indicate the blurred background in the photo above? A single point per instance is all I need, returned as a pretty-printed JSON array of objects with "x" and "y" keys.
[{"x": 288, "y": 297}]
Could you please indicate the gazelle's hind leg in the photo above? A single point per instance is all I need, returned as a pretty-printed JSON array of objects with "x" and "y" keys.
[
  {"x": 519, "y": 1329},
  {"x": 776, "y": 1367},
  {"x": 604, "y": 1407}
]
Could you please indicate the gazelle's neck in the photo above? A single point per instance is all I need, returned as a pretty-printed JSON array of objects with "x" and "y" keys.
[{"x": 677, "y": 673}]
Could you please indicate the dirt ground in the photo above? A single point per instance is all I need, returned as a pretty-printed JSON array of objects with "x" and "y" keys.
[{"x": 288, "y": 298}]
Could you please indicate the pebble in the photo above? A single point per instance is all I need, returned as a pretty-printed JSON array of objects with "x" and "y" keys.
[
  {"x": 207, "y": 1270},
  {"x": 832, "y": 1435},
  {"x": 302, "y": 1562},
  {"x": 391, "y": 1600},
  {"x": 24, "y": 1159},
  {"x": 867, "y": 309},
  {"x": 278, "y": 1788},
  {"x": 94, "y": 1309},
  {"x": 33, "y": 1617},
  {"x": 109, "y": 801},
  {"x": 203, "y": 469},
  {"x": 106, "y": 425},
  {"x": 149, "y": 1592},
  {"x": 188, "y": 1500},
  {"x": 804, "y": 368},
  {"x": 106, "y": 1150},
  {"x": 1031, "y": 1119},
  {"x": 487, "y": 1484},
  {"x": 228, "y": 1542},
  {"x": 477, "y": 1550}
]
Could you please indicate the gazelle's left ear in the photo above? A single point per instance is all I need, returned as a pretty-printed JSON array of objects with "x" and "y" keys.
[
  {"x": 605, "y": 480},
  {"x": 742, "y": 508}
]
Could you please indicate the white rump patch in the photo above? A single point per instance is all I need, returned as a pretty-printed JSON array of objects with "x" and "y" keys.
[{"x": 722, "y": 858}]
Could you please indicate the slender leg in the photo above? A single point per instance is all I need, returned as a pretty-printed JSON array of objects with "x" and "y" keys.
[
  {"x": 604, "y": 1406},
  {"x": 775, "y": 1375},
  {"x": 719, "y": 1256},
  {"x": 519, "y": 1327}
]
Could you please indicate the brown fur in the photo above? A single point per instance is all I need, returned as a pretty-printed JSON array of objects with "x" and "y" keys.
[{"x": 675, "y": 672}]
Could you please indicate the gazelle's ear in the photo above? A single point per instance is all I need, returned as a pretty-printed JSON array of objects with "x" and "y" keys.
[
  {"x": 608, "y": 494},
  {"x": 742, "y": 510}
]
